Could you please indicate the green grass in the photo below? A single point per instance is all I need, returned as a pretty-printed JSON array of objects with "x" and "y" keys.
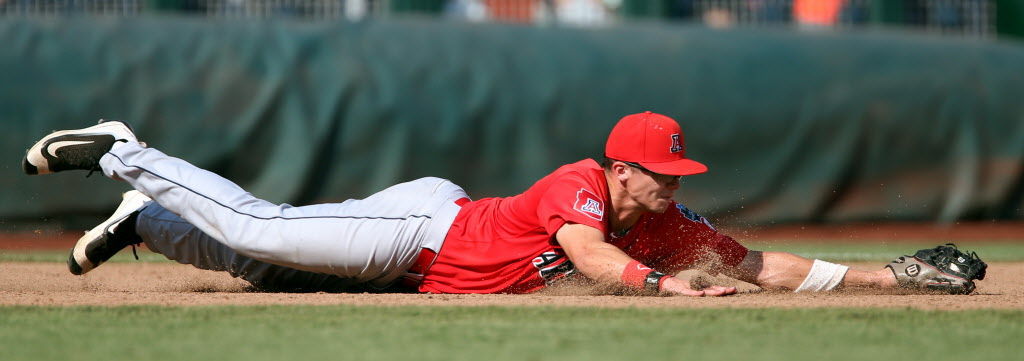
[
  {"x": 884, "y": 252},
  {"x": 493, "y": 333},
  {"x": 62, "y": 256}
]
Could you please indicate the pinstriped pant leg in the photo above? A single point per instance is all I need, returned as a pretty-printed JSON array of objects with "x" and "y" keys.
[
  {"x": 166, "y": 233},
  {"x": 373, "y": 240}
]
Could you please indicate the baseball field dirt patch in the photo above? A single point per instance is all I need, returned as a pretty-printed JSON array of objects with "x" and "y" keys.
[
  {"x": 129, "y": 282},
  {"x": 50, "y": 284},
  {"x": 155, "y": 309}
]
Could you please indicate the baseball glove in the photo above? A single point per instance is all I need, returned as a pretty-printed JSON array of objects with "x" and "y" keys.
[{"x": 944, "y": 268}]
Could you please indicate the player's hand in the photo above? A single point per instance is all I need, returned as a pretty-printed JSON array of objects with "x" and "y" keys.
[
  {"x": 682, "y": 287},
  {"x": 719, "y": 291}
]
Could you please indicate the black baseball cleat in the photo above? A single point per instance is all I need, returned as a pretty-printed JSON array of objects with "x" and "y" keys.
[
  {"x": 106, "y": 239},
  {"x": 76, "y": 149}
]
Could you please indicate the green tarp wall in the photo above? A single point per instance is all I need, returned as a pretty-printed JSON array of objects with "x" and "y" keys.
[{"x": 796, "y": 127}]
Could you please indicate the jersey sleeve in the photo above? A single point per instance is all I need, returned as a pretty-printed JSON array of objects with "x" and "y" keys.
[
  {"x": 689, "y": 240},
  {"x": 572, "y": 199}
]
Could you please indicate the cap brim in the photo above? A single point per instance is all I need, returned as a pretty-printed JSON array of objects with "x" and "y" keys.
[{"x": 677, "y": 167}]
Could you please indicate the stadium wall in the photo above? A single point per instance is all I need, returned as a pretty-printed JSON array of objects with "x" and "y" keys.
[{"x": 795, "y": 126}]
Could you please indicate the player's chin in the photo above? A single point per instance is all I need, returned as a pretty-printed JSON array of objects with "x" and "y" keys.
[{"x": 660, "y": 205}]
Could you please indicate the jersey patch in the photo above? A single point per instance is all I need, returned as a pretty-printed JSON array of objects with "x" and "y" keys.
[
  {"x": 553, "y": 266},
  {"x": 589, "y": 204},
  {"x": 693, "y": 216}
]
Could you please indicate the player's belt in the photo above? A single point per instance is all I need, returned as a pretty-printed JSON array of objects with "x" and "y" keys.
[{"x": 427, "y": 256}]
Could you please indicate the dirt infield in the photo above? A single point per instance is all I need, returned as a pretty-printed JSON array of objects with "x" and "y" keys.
[
  {"x": 179, "y": 285},
  {"x": 44, "y": 284}
]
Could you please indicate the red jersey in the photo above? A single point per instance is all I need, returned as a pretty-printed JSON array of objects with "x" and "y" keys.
[{"x": 507, "y": 245}]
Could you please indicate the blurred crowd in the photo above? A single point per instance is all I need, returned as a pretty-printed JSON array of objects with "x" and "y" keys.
[
  {"x": 965, "y": 16},
  {"x": 724, "y": 13}
]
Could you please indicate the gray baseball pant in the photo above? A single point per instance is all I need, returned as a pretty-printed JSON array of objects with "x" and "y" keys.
[{"x": 206, "y": 220}]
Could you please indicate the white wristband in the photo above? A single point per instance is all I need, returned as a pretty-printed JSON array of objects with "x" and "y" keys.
[{"x": 823, "y": 276}]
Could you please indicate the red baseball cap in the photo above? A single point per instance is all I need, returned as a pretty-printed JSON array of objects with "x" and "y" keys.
[{"x": 654, "y": 141}]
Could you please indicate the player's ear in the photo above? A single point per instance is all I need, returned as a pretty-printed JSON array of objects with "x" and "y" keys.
[{"x": 621, "y": 171}]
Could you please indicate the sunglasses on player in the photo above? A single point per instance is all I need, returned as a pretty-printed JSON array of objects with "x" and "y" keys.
[{"x": 661, "y": 178}]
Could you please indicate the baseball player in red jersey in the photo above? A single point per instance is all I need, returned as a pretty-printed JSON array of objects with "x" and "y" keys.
[{"x": 614, "y": 222}]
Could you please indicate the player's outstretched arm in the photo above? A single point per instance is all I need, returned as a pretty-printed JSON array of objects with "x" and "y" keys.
[
  {"x": 605, "y": 263},
  {"x": 775, "y": 270}
]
